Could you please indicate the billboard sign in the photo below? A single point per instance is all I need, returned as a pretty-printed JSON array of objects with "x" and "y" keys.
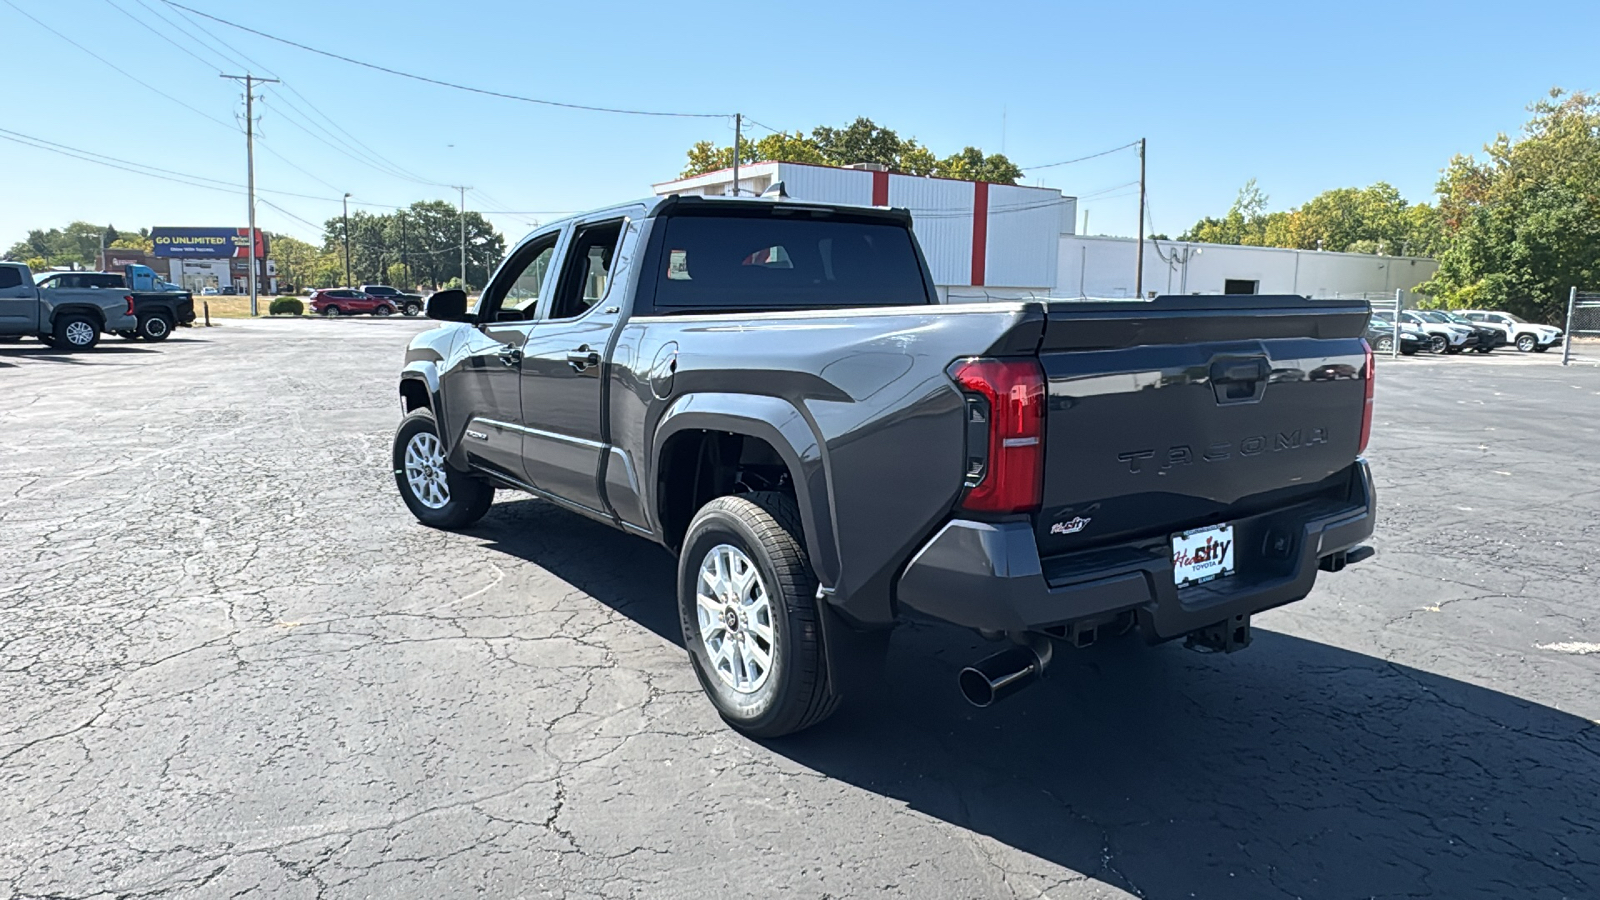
[{"x": 206, "y": 243}]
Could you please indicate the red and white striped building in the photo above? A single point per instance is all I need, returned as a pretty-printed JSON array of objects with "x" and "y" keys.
[{"x": 983, "y": 241}]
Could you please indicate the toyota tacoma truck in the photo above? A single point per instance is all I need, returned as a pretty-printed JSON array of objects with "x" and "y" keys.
[
  {"x": 63, "y": 313},
  {"x": 771, "y": 390},
  {"x": 158, "y": 306}
]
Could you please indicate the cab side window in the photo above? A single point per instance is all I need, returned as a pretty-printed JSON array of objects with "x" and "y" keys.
[
  {"x": 587, "y": 274},
  {"x": 521, "y": 299},
  {"x": 9, "y": 277}
]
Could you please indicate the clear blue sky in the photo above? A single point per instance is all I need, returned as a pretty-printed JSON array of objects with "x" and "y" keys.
[{"x": 1302, "y": 97}]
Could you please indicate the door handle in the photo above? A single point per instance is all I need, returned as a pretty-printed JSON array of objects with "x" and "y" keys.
[
  {"x": 510, "y": 355},
  {"x": 582, "y": 358}
]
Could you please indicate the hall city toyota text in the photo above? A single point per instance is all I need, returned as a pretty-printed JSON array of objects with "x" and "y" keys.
[
  {"x": 1184, "y": 454},
  {"x": 1213, "y": 551}
]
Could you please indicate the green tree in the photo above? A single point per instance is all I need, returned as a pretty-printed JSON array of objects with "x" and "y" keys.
[
  {"x": 862, "y": 141},
  {"x": 78, "y": 244},
  {"x": 1522, "y": 225}
]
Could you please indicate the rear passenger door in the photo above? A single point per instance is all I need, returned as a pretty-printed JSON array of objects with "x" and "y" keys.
[{"x": 564, "y": 360}]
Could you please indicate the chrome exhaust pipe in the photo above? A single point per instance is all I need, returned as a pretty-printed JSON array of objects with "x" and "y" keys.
[{"x": 994, "y": 678}]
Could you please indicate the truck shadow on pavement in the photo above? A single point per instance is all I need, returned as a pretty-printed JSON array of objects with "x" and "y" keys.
[{"x": 1293, "y": 768}]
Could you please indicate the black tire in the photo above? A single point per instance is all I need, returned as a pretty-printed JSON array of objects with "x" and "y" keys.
[
  {"x": 1407, "y": 351},
  {"x": 469, "y": 496},
  {"x": 155, "y": 327},
  {"x": 1438, "y": 343},
  {"x": 1385, "y": 344},
  {"x": 128, "y": 335},
  {"x": 412, "y": 309},
  {"x": 84, "y": 332},
  {"x": 383, "y": 312},
  {"x": 1454, "y": 350},
  {"x": 1484, "y": 348},
  {"x": 1527, "y": 343},
  {"x": 331, "y": 312},
  {"x": 1542, "y": 348},
  {"x": 796, "y": 692}
]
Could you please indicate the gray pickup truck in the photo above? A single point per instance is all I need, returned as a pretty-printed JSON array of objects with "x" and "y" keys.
[
  {"x": 771, "y": 390},
  {"x": 67, "y": 317}
]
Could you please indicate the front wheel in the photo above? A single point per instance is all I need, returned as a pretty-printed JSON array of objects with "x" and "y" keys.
[
  {"x": 331, "y": 312},
  {"x": 438, "y": 494},
  {"x": 1542, "y": 348},
  {"x": 1484, "y": 348},
  {"x": 1438, "y": 344},
  {"x": 1385, "y": 344},
  {"x": 413, "y": 309},
  {"x": 1527, "y": 343},
  {"x": 383, "y": 311},
  {"x": 747, "y": 600}
]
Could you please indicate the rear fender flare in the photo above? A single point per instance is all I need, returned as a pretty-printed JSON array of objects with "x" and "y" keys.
[{"x": 788, "y": 430}]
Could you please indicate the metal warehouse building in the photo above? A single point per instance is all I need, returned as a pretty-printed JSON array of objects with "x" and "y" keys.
[{"x": 992, "y": 241}]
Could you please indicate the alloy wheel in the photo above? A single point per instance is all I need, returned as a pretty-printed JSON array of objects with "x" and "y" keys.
[
  {"x": 80, "y": 334},
  {"x": 735, "y": 617},
  {"x": 425, "y": 470}
]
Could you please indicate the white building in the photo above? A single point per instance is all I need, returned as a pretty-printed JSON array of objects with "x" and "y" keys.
[
  {"x": 993, "y": 241},
  {"x": 1105, "y": 267}
]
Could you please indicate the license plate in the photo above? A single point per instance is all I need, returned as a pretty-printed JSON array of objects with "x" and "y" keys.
[{"x": 1202, "y": 554}]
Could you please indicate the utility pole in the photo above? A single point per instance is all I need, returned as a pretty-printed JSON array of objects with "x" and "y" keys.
[
  {"x": 1138, "y": 277},
  {"x": 463, "y": 191},
  {"x": 250, "y": 82},
  {"x": 738, "y": 121},
  {"x": 346, "y": 240},
  {"x": 405, "y": 261}
]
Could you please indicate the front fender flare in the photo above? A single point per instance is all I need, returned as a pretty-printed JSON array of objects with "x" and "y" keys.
[
  {"x": 426, "y": 373},
  {"x": 789, "y": 431}
]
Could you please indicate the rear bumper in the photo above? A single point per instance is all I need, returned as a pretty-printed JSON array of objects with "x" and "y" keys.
[{"x": 989, "y": 575}]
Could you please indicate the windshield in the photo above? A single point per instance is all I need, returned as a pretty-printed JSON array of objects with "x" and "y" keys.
[
  {"x": 1429, "y": 316},
  {"x": 1455, "y": 318}
]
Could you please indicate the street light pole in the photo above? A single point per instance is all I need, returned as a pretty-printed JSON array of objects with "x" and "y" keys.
[
  {"x": 463, "y": 191},
  {"x": 346, "y": 240}
]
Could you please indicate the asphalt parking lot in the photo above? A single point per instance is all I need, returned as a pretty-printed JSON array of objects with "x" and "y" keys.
[{"x": 233, "y": 665}]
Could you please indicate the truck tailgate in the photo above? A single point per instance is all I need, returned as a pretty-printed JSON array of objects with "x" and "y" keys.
[{"x": 1187, "y": 411}]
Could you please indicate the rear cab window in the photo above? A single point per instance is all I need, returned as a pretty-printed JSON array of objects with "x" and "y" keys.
[{"x": 724, "y": 261}]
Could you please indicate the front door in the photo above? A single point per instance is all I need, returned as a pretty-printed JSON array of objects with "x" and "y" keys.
[
  {"x": 19, "y": 303},
  {"x": 562, "y": 377},
  {"x": 487, "y": 382}
]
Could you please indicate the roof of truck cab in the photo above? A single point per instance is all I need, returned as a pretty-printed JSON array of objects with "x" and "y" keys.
[{"x": 654, "y": 206}]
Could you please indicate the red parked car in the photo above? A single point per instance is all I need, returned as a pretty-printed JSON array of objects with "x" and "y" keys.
[{"x": 348, "y": 302}]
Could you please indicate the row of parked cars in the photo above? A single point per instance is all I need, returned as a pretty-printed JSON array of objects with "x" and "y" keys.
[
  {"x": 1456, "y": 331},
  {"x": 369, "y": 299},
  {"x": 71, "y": 310}
]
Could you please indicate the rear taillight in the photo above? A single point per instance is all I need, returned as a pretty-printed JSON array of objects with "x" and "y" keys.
[
  {"x": 129, "y": 298},
  {"x": 1005, "y": 401},
  {"x": 1370, "y": 374}
]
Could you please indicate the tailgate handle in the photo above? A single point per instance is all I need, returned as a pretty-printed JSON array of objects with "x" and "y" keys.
[{"x": 1234, "y": 371}]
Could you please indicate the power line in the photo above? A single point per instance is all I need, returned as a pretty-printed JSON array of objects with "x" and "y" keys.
[
  {"x": 147, "y": 26},
  {"x": 124, "y": 72},
  {"x": 370, "y": 158},
  {"x": 438, "y": 82},
  {"x": 1068, "y": 162}
]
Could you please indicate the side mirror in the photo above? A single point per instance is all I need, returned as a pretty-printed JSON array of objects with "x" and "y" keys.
[{"x": 448, "y": 306}]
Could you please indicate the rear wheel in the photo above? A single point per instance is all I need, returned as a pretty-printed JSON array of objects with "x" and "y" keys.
[
  {"x": 1527, "y": 343},
  {"x": 747, "y": 600},
  {"x": 76, "y": 331},
  {"x": 438, "y": 494},
  {"x": 331, "y": 312},
  {"x": 383, "y": 311},
  {"x": 155, "y": 328}
]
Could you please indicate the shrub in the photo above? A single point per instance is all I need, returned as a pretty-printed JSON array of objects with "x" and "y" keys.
[{"x": 286, "y": 306}]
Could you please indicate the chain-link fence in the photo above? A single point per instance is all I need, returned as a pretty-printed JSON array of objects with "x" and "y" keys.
[{"x": 1582, "y": 340}]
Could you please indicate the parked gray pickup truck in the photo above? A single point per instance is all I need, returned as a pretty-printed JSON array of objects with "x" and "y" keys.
[
  {"x": 770, "y": 390},
  {"x": 67, "y": 318}
]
